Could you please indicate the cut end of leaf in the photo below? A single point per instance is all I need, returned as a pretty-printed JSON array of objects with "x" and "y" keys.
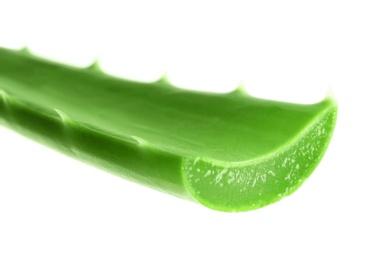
[{"x": 245, "y": 186}]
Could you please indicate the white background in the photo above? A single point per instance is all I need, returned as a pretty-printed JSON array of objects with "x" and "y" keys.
[{"x": 53, "y": 207}]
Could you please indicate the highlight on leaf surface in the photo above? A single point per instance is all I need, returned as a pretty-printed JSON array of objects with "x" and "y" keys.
[{"x": 229, "y": 152}]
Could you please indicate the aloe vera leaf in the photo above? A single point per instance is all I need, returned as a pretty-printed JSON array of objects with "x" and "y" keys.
[{"x": 230, "y": 152}]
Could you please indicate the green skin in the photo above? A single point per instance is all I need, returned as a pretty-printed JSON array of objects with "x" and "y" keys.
[{"x": 230, "y": 152}]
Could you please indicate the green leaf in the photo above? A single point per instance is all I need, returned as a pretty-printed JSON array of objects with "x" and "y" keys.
[{"x": 230, "y": 152}]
